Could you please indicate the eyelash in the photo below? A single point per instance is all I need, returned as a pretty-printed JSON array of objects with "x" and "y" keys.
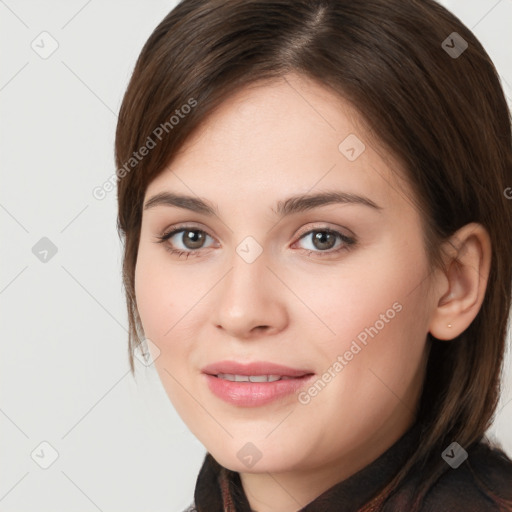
[{"x": 347, "y": 245}]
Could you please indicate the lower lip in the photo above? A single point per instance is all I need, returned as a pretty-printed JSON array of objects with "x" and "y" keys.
[{"x": 254, "y": 394}]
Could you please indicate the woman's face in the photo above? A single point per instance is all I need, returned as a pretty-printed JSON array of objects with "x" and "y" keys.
[{"x": 336, "y": 290}]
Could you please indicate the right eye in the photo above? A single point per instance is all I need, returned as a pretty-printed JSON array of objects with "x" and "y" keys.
[{"x": 191, "y": 240}]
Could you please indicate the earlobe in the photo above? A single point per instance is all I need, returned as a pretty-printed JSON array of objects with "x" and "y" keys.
[{"x": 468, "y": 260}]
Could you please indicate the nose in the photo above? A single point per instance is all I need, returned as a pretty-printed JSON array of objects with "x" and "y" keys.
[{"x": 250, "y": 299}]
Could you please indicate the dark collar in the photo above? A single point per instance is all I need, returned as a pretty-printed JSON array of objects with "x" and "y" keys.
[{"x": 346, "y": 496}]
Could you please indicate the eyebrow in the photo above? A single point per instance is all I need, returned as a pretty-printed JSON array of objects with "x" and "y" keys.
[{"x": 291, "y": 205}]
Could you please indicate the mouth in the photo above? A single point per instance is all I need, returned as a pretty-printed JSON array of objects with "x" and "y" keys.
[
  {"x": 253, "y": 378},
  {"x": 262, "y": 371},
  {"x": 254, "y": 384}
]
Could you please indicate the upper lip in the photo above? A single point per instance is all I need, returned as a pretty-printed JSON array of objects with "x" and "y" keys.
[{"x": 255, "y": 368}]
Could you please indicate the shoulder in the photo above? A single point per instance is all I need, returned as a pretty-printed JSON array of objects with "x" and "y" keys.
[
  {"x": 191, "y": 508},
  {"x": 486, "y": 472}
]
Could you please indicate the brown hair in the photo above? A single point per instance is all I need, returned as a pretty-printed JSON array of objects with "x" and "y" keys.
[{"x": 443, "y": 117}]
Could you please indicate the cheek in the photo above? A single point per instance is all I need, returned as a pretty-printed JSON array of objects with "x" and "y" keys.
[
  {"x": 380, "y": 323},
  {"x": 152, "y": 295},
  {"x": 164, "y": 294},
  {"x": 354, "y": 299},
  {"x": 170, "y": 301},
  {"x": 165, "y": 301},
  {"x": 374, "y": 312}
]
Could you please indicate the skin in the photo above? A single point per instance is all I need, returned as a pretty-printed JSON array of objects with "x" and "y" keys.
[{"x": 296, "y": 304}]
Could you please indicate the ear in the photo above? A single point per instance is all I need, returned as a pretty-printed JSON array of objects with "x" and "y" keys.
[{"x": 461, "y": 287}]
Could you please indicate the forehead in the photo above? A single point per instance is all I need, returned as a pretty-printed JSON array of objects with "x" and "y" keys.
[
  {"x": 287, "y": 136},
  {"x": 276, "y": 115}
]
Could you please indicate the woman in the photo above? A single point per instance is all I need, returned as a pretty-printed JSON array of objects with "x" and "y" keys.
[{"x": 313, "y": 202}]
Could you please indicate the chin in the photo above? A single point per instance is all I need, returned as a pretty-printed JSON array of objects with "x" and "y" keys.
[{"x": 249, "y": 458}]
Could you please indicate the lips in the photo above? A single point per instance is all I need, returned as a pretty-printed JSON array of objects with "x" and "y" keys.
[
  {"x": 258, "y": 368},
  {"x": 254, "y": 384}
]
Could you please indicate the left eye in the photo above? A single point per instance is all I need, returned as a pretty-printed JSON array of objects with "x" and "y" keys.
[{"x": 325, "y": 239}]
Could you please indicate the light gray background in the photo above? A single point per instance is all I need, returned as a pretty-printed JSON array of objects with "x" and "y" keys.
[{"x": 64, "y": 366}]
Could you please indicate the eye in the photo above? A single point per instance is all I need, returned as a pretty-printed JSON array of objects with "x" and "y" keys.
[
  {"x": 191, "y": 239},
  {"x": 323, "y": 240}
]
